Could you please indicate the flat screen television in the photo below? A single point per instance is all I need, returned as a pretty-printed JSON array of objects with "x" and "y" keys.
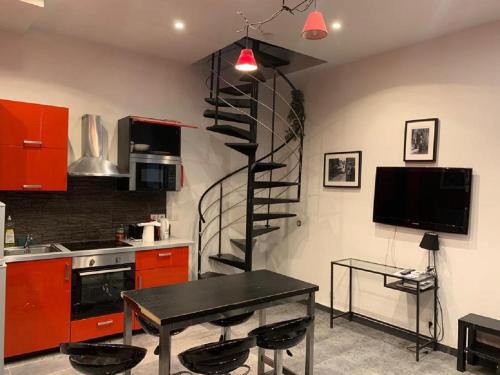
[{"x": 426, "y": 198}]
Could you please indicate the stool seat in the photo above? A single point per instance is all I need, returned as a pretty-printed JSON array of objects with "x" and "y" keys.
[
  {"x": 283, "y": 335},
  {"x": 232, "y": 321},
  {"x": 151, "y": 329},
  {"x": 217, "y": 357},
  {"x": 102, "y": 359}
]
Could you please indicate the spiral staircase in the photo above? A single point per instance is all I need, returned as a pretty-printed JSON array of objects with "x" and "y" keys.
[{"x": 246, "y": 204}]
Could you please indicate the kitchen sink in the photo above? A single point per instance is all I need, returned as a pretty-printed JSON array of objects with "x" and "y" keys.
[{"x": 35, "y": 249}]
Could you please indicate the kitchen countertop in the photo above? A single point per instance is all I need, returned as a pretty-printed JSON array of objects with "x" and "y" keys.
[{"x": 135, "y": 246}]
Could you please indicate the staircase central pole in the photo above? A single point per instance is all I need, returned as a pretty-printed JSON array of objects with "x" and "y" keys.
[{"x": 251, "y": 174}]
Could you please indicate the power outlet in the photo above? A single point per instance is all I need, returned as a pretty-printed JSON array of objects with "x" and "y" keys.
[{"x": 156, "y": 216}]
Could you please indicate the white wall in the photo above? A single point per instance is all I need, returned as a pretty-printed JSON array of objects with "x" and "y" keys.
[
  {"x": 91, "y": 78},
  {"x": 363, "y": 106}
]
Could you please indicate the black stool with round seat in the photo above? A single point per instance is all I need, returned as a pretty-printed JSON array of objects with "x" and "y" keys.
[
  {"x": 152, "y": 330},
  {"x": 102, "y": 359},
  {"x": 227, "y": 323},
  {"x": 281, "y": 336},
  {"x": 218, "y": 357}
]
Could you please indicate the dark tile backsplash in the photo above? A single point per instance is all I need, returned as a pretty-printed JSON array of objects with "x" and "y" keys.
[{"x": 91, "y": 209}]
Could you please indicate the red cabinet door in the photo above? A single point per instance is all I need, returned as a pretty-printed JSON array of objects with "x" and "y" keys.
[
  {"x": 33, "y": 169},
  {"x": 12, "y": 167},
  {"x": 20, "y": 123},
  {"x": 37, "y": 308},
  {"x": 46, "y": 169},
  {"x": 92, "y": 328},
  {"x": 54, "y": 127}
]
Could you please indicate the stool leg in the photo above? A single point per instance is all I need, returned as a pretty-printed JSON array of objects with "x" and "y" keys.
[
  {"x": 278, "y": 362},
  {"x": 226, "y": 333}
]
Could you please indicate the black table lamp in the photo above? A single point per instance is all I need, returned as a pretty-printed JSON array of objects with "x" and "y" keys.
[{"x": 430, "y": 242}]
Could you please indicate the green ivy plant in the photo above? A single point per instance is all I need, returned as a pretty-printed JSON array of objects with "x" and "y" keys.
[{"x": 296, "y": 116}]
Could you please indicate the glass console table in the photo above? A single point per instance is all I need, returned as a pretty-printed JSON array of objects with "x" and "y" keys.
[{"x": 393, "y": 280}]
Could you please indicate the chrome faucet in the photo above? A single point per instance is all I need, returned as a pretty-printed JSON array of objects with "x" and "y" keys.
[{"x": 27, "y": 243}]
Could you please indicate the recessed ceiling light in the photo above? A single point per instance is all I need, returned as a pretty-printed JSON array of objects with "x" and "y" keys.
[
  {"x": 179, "y": 25},
  {"x": 336, "y": 25}
]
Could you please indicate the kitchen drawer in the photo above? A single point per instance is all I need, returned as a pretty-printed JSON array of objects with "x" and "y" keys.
[
  {"x": 91, "y": 328},
  {"x": 175, "y": 257}
]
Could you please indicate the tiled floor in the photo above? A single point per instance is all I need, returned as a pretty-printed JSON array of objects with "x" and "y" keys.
[{"x": 349, "y": 348}]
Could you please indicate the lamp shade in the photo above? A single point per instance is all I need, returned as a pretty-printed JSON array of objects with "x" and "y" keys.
[
  {"x": 246, "y": 62},
  {"x": 430, "y": 241},
  {"x": 315, "y": 27}
]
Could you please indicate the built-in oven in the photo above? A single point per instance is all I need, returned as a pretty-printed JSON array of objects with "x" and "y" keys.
[
  {"x": 97, "y": 283},
  {"x": 150, "y": 172}
]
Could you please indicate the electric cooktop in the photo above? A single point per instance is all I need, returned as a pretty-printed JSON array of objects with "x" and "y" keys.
[{"x": 93, "y": 245}]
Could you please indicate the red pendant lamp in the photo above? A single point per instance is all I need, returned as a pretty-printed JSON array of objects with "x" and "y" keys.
[
  {"x": 315, "y": 27},
  {"x": 246, "y": 62}
]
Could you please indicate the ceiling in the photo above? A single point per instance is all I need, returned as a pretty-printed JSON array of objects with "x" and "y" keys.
[{"x": 145, "y": 26}]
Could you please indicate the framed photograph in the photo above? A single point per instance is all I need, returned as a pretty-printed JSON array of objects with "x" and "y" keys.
[
  {"x": 421, "y": 140},
  {"x": 342, "y": 169}
]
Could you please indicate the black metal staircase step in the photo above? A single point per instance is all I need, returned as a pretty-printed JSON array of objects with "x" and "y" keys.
[
  {"x": 228, "y": 116},
  {"x": 272, "y": 215},
  {"x": 252, "y": 77},
  {"x": 269, "y": 61},
  {"x": 272, "y": 184},
  {"x": 228, "y": 102},
  {"x": 209, "y": 275},
  {"x": 232, "y": 131},
  {"x": 262, "y": 167},
  {"x": 238, "y": 90},
  {"x": 260, "y": 201},
  {"x": 259, "y": 230},
  {"x": 241, "y": 243},
  {"x": 245, "y": 148},
  {"x": 230, "y": 260}
]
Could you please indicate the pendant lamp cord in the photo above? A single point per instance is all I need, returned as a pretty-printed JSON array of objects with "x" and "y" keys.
[{"x": 301, "y": 7}]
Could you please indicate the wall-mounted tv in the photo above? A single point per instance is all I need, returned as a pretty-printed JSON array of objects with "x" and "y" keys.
[{"x": 426, "y": 198}]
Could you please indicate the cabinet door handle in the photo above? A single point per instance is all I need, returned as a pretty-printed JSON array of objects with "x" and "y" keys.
[
  {"x": 67, "y": 272},
  {"x": 164, "y": 255},
  {"x": 32, "y": 186},
  {"x": 29, "y": 143},
  {"x": 105, "y": 323}
]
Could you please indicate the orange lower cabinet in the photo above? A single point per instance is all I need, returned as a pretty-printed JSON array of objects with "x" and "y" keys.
[
  {"x": 37, "y": 306},
  {"x": 175, "y": 257},
  {"x": 91, "y": 328}
]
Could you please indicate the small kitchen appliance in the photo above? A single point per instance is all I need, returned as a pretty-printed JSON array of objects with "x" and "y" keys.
[{"x": 148, "y": 233}]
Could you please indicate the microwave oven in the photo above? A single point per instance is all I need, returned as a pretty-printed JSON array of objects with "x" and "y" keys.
[{"x": 150, "y": 172}]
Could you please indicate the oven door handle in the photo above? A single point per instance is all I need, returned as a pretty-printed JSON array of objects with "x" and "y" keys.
[{"x": 115, "y": 270}]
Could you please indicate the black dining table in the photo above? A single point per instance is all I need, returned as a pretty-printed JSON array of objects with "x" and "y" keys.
[{"x": 182, "y": 305}]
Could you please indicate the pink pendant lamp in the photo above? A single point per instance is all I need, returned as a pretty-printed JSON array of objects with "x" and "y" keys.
[
  {"x": 246, "y": 62},
  {"x": 315, "y": 27}
]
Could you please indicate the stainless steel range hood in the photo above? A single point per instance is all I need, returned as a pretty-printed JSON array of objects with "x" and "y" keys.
[{"x": 94, "y": 158}]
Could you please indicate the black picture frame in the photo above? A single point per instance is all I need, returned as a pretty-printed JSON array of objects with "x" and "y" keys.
[
  {"x": 414, "y": 149},
  {"x": 328, "y": 180}
]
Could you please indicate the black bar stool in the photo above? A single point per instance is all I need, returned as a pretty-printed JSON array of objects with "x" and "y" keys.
[
  {"x": 227, "y": 323},
  {"x": 218, "y": 357},
  {"x": 152, "y": 330},
  {"x": 281, "y": 336},
  {"x": 102, "y": 359}
]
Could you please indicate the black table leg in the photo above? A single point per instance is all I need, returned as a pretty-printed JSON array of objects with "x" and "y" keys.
[
  {"x": 350, "y": 293},
  {"x": 417, "y": 331},
  {"x": 331, "y": 295},
  {"x": 435, "y": 344},
  {"x": 462, "y": 337}
]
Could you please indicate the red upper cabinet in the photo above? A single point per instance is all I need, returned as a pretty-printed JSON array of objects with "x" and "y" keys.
[
  {"x": 33, "y": 146},
  {"x": 37, "y": 307}
]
